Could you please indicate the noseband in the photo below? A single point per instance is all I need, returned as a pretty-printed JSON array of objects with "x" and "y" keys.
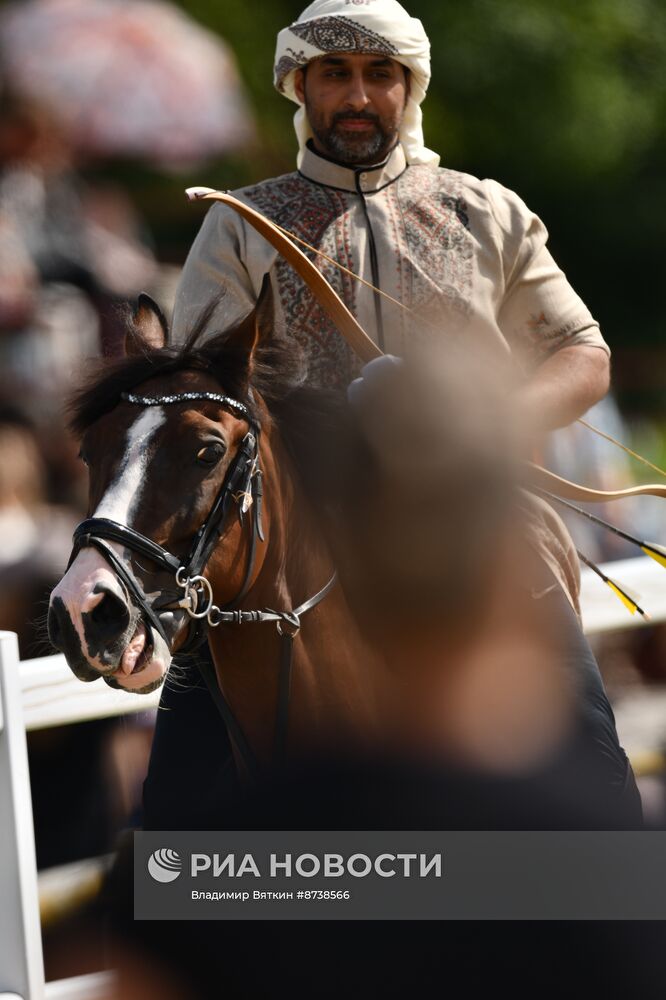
[{"x": 242, "y": 486}]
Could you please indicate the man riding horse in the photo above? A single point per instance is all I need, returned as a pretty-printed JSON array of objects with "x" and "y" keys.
[{"x": 443, "y": 257}]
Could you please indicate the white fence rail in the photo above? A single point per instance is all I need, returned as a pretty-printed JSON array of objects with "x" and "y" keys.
[
  {"x": 37, "y": 694},
  {"x": 53, "y": 696},
  {"x": 21, "y": 960},
  {"x": 21, "y": 963}
]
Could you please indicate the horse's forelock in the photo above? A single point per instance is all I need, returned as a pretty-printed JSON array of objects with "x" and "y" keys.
[
  {"x": 107, "y": 379},
  {"x": 277, "y": 370}
]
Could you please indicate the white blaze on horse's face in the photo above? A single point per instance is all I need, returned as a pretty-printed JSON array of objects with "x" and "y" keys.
[
  {"x": 90, "y": 581},
  {"x": 121, "y": 498}
]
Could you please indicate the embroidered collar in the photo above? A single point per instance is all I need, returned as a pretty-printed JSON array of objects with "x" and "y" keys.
[{"x": 360, "y": 180}]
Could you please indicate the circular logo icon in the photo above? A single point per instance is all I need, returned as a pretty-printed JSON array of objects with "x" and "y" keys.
[{"x": 164, "y": 865}]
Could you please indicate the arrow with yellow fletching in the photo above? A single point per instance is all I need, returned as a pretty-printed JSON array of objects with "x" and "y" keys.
[
  {"x": 627, "y": 596},
  {"x": 651, "y": 549}
]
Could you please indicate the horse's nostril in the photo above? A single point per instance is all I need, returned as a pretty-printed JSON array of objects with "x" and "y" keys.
[{"x": 111, "y": 614}]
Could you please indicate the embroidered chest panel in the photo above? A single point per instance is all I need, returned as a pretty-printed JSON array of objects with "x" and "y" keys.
[
  {"x": 426, "y": 255},
  {"x": 437, "y": 260},
  {"x": 319, "y": 216}
]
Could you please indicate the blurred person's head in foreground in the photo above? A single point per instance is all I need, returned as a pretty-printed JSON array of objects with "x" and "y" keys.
[{"x": 432, "y": 552}]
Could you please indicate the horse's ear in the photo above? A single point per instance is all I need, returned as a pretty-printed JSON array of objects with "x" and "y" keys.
[
  {"x": 149, "y": 329},
  {"x": 257, "y": 325}
]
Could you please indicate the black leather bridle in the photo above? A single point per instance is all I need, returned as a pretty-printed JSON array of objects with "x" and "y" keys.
[{"x": 242, "y": 486}]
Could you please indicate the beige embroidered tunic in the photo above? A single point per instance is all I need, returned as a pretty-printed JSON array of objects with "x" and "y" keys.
[{"x": 466, "y": 257}]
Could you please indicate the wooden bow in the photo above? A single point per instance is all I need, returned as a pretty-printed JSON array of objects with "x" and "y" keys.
[
  {"x": 367, "y": 350},
  {"x": 325, "y": 295}
]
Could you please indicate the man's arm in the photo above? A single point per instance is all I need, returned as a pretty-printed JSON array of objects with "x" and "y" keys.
[
  {"x": 550, "y": 330},
  {"x": 563, "y": 387},
  {"x": 226, "y": 265}
]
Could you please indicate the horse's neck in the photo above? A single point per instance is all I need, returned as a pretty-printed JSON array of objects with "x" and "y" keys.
[
  {"x": 333, "y": 689},
  {"x": 298, "y": 562}
]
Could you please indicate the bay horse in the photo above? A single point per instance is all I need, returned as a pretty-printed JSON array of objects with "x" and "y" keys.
[
  {"x": 199, "y": 517},
  {"x": 195, "y": 512}
]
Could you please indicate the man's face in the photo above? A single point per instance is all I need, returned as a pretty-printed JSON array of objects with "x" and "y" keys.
[{"x": 354, "y": 104}]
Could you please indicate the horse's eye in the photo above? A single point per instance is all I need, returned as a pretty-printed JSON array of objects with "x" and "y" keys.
[
  {"x": 83, "y": 457},
  {"x": 211, "y": 454}
]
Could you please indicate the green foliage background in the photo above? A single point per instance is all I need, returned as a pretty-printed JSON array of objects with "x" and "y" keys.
[{"x": 562, "y": 100}]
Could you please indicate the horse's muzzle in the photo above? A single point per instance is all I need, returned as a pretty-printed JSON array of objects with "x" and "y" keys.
[{"x": 107, "y": 623}]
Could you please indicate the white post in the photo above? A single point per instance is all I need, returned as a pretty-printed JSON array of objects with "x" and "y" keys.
[{"x": 21, "y": 960}]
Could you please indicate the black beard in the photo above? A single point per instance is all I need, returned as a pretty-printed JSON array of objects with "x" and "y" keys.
[{"x": 352, "y": 149}]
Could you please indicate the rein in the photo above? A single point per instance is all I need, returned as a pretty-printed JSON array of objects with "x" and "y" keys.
[{"x": 242, "y": 485}]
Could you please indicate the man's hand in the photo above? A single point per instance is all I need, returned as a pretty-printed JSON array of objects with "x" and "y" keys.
[{"x": 564, "y": 387}]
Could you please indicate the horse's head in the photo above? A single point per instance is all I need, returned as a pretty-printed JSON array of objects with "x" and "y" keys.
[{"x": 170, "y": 437}]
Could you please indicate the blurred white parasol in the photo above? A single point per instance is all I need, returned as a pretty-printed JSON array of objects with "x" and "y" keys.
[{"x": 134, "y": 78}]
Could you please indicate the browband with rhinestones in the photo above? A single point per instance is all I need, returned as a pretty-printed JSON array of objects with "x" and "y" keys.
[{"x": 181, "y": 397}]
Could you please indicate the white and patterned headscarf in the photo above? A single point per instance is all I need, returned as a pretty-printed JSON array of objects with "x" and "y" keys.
[{"x": 359, "y": 26}]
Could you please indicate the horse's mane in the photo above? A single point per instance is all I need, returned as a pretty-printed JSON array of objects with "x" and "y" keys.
[{"x": 305, "y": 416}]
